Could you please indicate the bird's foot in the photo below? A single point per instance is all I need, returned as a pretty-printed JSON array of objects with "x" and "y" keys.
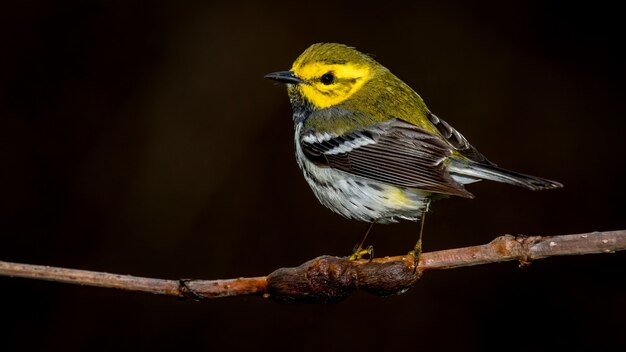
[
  {"x": 416, "y": 253},
  {"x": 360, "y": 252}
]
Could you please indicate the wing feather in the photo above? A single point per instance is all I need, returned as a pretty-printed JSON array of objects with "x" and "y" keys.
[
  {"x": 393, "y": 152},
  {"x": 457, "y": 141}
]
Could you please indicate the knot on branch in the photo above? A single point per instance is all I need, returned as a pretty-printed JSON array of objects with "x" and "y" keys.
[
  {"x": 187, "y": 292},
  {"x": 524, "y": 250},
  {"x": 329, "y": 279}
]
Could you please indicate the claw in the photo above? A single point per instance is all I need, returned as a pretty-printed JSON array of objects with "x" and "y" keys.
[
  {"x": 416, "y": 253},
  {"x": 417, "y": 250},
  {"x": 359, "y": 253}
]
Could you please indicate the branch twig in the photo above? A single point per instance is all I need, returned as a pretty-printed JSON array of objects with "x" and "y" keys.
[{"x": 330, "y": 279}]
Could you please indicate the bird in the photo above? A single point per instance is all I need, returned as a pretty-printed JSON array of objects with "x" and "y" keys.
[{"x": 369, "y": 147}]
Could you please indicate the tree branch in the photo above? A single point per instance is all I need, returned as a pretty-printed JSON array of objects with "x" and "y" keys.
[{"x": 329, "y": 279}]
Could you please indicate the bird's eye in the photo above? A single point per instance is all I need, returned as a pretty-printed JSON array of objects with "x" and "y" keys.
[{"x": 328, "y": 78}]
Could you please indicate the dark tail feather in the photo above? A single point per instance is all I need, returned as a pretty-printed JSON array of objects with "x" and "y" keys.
[{"x": 466, "y": 169}]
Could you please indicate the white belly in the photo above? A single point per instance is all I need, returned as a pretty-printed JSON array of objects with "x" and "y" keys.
[{"x": 357, "y": 197}]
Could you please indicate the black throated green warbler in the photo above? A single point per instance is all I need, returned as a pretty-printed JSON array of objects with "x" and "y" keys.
[{"x": 369, "y": 147}]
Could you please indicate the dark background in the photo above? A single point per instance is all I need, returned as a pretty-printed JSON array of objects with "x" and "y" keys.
[{"x": 142, "y": 139}]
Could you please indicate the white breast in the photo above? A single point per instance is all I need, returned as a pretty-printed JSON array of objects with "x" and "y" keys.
[{"x": 357, "y": 197}]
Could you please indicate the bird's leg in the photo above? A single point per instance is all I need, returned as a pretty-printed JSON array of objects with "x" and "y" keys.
[
  {"x": 359, "y": 252},
  {"x": 417, "y": 250}
]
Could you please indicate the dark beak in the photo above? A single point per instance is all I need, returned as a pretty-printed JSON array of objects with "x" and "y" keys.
[{"x": 285, "y": 77}]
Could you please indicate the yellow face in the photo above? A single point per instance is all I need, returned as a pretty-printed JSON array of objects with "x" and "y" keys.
[{"x": 329, "y": 84}]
